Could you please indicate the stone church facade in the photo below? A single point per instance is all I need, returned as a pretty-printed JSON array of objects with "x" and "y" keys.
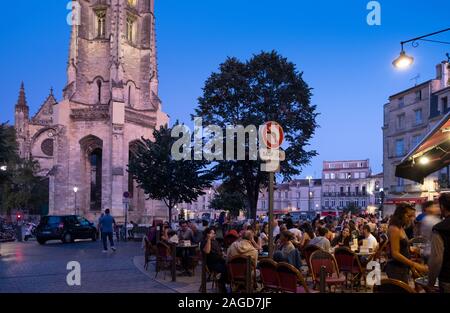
[{"x": 85, "y": 140}]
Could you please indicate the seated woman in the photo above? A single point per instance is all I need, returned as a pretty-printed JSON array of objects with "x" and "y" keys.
[
  {"x": 308, "y": 234},
  {"x": 214, "y": 256},
  {"x": 286, "y": 251},
  {"x": 343, "y": 240}
]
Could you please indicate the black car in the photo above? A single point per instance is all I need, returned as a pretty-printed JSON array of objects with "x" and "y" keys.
[{"x": 65, "y": 228}]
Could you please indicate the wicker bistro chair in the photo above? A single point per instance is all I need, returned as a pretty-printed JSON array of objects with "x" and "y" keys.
[
  {"x": 237, "y": 271},
  {"x": 325, "y": 259},
  {"x": 149, "y": 249},
  {"x": 269, "y": 276},
  {"x": 290, "y": 279},
  {"x": 163, "y": 258},
  {"x": 306, "y": 252},
  {"x": 349, "y": 264},
  {"x": 393, "y": 286}
]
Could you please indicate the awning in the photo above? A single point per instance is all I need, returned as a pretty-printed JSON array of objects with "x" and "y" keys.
[
  {"x": 430, "y": 155},
  {"x": 400, "y": 200}
]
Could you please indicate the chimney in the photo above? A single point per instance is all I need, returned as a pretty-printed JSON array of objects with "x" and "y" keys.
[{"x": 442, "y": 74}]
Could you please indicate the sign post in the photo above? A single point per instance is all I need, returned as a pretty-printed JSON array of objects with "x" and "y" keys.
[
  {"x": 272, "y": 137},
  {"x": 126, "y": 201}
]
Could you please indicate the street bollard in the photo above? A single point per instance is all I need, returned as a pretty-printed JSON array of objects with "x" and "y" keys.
[
  {"x": 19, "y": 235},
  {"x": 322, "y": 279}
]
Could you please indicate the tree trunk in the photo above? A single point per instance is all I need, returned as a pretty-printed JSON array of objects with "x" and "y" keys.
[{"x": 170, "y": 215}]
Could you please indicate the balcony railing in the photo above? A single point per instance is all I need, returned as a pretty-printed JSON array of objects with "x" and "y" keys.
[{"x": 345, "y": 194}]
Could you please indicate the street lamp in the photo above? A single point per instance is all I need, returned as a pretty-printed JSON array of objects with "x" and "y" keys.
[
  {"x": 75, "y": 190},
  {"x": 3, "y": 168},
  {"x": 404, "y": 60},
  {"x": 309, "y": 192}
]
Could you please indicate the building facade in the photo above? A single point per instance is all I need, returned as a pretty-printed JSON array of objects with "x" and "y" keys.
[
  {"x": 110, "y": 101},
  {"x": 350, "y": 183},
  {"x": 408, "y": 117}
]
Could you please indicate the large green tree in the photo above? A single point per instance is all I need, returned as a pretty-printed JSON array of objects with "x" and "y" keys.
[
  {"x": 228, "y": 200},
  {"x": 164, "y": 178},
  {"x": 265, "y": 88}
]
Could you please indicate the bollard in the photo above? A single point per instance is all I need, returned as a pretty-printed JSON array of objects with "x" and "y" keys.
[
  {"x": 322, "y": 279},
  {"x": 19, "y": 235}
]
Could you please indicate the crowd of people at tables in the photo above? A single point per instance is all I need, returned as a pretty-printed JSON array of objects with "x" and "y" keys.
[{"x": 226, "y": 240}]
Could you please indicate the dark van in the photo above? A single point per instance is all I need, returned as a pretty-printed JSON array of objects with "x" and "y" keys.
[{"x": 65, "y": 228}]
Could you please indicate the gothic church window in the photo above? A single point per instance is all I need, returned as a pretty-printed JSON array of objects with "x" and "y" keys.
[
  {"x": 99, "y": 92},
  {"x": 130, "y": 29},
  {"x": 47, "y": 147},
  {"x": 101, "y": 23}
]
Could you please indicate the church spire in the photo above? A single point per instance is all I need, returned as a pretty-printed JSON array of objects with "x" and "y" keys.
[{"x": 22, "y": 101}]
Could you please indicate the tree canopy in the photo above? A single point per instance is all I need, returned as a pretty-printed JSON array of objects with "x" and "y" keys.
[{"x": 265, "y": 88}]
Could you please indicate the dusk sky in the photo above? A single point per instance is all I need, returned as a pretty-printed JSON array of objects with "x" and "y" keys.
[{"x": 346, "y": 61}]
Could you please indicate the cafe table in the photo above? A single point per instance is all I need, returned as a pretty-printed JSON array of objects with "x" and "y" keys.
[{"x": 184, "y": 250}]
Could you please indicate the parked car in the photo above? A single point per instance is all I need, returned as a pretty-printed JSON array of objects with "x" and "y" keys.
[{"x": 65, "y": 228}]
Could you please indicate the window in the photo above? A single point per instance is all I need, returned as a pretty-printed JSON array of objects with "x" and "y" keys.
[
  {"x": 362, "y": 175},
  {"x": 342, "y": 189},
  {"x": 418, "y": 115},
  {"x": 341, "y": 176},
  {"x": 401, "y": 102},
  {"x": 357, "y": 189},
  {"x": 415, "y": 140},
  {"x": 327, "y": 176},
  {"x": 399, "y": 147},
  {"x": 400, "y": 181},
  {"x": 356, "y": 175},
  {"x": 47, "y": 147},
  {"x": 348, "y": 189},
  {"x": 401, "y": 121},
  {"x": 132, "y": 3},
  {"x": 263, "y": 204},
  {"x": 333, "y": 203},
  {"x": 299, "y": 195},
  {"x": 444, "y": 105},
  {"x": 363, "y": 203},
  {"x": 346, "y": 165},
  {"x": 332, "y": 176},
  {"x": 341, "y": 203},
  {"x": 130, "y": 29},
  {"x": 363, "y": 189},
  {"x": 418, "y": 95},
  {"x": 99, "y": 92},
  {"x": 286, "y": 194},
  {"x": 101, "y": 23},
  {"x": 327, "y": 203}
]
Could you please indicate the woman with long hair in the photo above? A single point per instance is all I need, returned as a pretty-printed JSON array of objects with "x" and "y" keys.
[
  {"x": 308, "y": 234},
  {"x": 399, "y": 263}
]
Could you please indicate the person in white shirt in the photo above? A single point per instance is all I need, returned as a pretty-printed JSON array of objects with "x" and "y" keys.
[
  {"x": 276, "y": 228},
  {"x": 372, "y": 241}
]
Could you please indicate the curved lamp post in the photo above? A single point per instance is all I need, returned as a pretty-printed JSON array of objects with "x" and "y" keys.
[{"x": 404, "y": 61}]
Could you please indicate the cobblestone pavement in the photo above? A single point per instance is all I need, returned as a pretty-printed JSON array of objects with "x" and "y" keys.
[{"x": 32, "y": 268}]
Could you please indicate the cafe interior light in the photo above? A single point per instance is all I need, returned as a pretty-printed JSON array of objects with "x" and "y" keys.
[{"x": 424, "y": 160}]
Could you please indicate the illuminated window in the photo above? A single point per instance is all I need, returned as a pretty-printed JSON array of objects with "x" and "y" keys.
[{"x": 132, "y": 3}]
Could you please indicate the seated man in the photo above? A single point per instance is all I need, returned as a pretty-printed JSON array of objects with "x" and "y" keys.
[
  {"x": 373, "y": 243},
  {"x": 321, "y": 241},
  {"x": 214, "y": 256},
  {"x": 244, "y": 247},
  {"x": 286, "y": 251}
]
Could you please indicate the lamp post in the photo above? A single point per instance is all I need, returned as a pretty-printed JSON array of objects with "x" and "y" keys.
[
  {"x": 75, "y": 191},
  {"x": 403, "y": 60},
  {"x": 3, "y": 168},
  {"x": 309, "y": 193}
]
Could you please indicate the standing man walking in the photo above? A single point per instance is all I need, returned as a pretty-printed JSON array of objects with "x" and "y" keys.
[{"x": 106, "y": 224}]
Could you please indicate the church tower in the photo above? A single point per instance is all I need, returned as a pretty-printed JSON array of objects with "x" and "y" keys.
[
  {"x": 109, "y": 103},
  {"x": 21, "y": 122}
]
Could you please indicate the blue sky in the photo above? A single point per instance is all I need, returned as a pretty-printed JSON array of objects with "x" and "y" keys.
[{"x": 346, "y": 61}]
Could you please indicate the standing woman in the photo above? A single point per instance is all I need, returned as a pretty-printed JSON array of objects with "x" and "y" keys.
[{"x": 399, "y": 263}]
